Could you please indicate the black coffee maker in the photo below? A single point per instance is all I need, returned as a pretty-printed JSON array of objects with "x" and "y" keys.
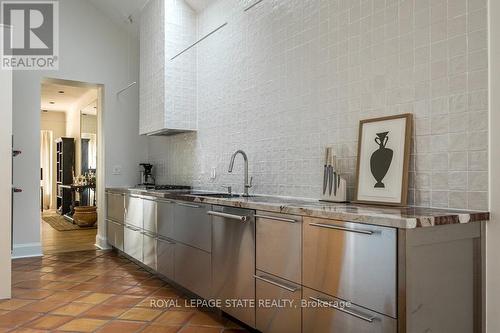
[{"x": 147, "y": 178}]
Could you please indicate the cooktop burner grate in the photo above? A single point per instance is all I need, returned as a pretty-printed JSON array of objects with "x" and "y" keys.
[{"x": 171, "y": 187}]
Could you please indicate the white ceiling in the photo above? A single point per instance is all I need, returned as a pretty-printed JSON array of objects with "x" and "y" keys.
[
  {"x": 51, "y": 92},
  {"x": 90, "y": 109}
]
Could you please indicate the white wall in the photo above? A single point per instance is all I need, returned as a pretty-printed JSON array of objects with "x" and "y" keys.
[
  {"x": 94, "y": 50},
  {"x": 55, "y": 122},
  {"x": 5, "y": 181},
  {"x": 493, "y": 226},
  {"x": 288, "y": 78}
]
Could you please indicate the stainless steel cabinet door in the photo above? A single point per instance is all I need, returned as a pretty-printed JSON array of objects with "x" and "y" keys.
[
  {"x": 165, "y": 218},
  {"x": 133, "y": 242},
  {"x": 149, "y": 215},
  {"x": 193, "y": 269},
  {"x": 111, "y": 234},
  {"x": 192, "y": 225},
  {"x": 165, "y": 257},
  {"x": 119, "y": 236},
  {"x": 279, "y": 245},
  {"x": 278, "y": 305},
  {"x": 115, "y": 203},
  {"x": 149, "y": 250},
  {"x": 351, "y": 261},
  {"x": 233, "y": 257},
  {"x": 325, "y": 314},
  {"x": 134, "y": 211},
  {"x": 115, "y": 234}
]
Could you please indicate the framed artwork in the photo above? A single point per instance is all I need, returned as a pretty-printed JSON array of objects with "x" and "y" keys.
[{"x": 383, "y": 160}]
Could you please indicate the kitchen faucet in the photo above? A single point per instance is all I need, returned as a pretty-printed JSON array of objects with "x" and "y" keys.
[{"x": 247, "y": 184}]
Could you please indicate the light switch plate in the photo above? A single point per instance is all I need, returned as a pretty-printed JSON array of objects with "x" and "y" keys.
[
  {"x": 117, "y": 170},
  {"x": 213, "y": 173}
]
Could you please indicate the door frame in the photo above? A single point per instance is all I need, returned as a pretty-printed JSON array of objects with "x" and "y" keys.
[
  {"x": 101, "y": 239},
  {"x": 5, "y": 183},
  {"x": 491, "y": 265}
]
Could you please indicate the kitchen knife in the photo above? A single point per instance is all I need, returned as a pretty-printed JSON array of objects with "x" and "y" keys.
[
  {"x": 330, "y": 179},
  {"x": 325, "y": 173},
  {"x": 335, "y": 183},
  {"x": 330, "y": 171},
  {"x": 334, "y": 163}
]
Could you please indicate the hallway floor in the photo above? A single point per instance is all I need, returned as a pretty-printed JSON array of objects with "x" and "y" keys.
[
  {"x": 98, "y": 291},
  {"x": 54, "y": 241}
]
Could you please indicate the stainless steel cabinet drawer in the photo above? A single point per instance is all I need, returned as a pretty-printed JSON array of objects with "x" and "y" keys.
[
  {"x": 115, "y": 203},
  {"x": 279, "y": 245},
  {"x": 193, "y": 269},
  {"x": 149, "y": 215},
  {"x": 149, "y": 250},
  {"x": 133, "y": 211},
  {"x": 165, "y": 218},
  {"x": 278, "y": 305},
  {"x": 165, "y": 257},
  {"x": 325, "y": 314},
  {"x": 351, "y": 261},
  {"x": 132, "y": 244},
  {"x": 115, "y": 234},
  {"x": 192, "y": 225}
]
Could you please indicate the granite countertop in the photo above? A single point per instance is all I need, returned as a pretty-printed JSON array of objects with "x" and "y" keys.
[{"x": 397, "y": 217}]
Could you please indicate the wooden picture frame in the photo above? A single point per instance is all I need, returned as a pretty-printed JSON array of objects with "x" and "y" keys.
[{"x": 382, "y": 177}]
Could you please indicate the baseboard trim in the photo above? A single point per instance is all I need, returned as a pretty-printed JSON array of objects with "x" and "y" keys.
[
  {"x": 27, "y": 250},
  {"x": 102, "y": 243}
]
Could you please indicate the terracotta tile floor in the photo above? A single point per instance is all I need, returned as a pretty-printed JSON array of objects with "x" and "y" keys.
[{"x": 97, "y": 291}]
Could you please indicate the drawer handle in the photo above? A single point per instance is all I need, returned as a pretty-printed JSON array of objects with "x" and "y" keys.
[
  {"x": 282, "y": 219},
  {"x": 164, "y": 201},
  {"x": 336, "y": 227},
  {"x": 367, "y": 318},
  {"x": 109, "y": 219},
  {"x": 163, "y": 239},
  {"x": 268, "y": 280},
  {"x": 114, "y": 222},
  {"x": 132, "y": 228},
  {"x": 228, "y": 216},
  {"x": 188, "y": 205}
]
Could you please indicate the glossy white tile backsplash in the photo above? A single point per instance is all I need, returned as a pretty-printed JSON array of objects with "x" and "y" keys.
[{"x": 289, "y": 77}]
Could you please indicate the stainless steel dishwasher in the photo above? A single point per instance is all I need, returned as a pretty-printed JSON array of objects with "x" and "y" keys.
[{"x": 233, "y": 261}]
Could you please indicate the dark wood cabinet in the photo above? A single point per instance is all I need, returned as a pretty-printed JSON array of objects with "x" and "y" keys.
[{"x": 65, "y": 166}]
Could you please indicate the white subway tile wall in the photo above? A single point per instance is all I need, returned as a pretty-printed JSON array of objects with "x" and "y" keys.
[{"x": 288, "y": 78}]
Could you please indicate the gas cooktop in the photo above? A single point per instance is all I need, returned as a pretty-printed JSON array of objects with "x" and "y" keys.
[
  {"x": 171, "y": 187},
  {"x": 163, "y": 187}
]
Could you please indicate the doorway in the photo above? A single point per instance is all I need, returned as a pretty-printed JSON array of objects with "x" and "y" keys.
[{"x": 68, "y": 165}]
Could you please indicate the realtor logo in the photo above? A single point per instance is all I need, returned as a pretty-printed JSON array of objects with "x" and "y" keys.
[{"x": 30, "y": 35}]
